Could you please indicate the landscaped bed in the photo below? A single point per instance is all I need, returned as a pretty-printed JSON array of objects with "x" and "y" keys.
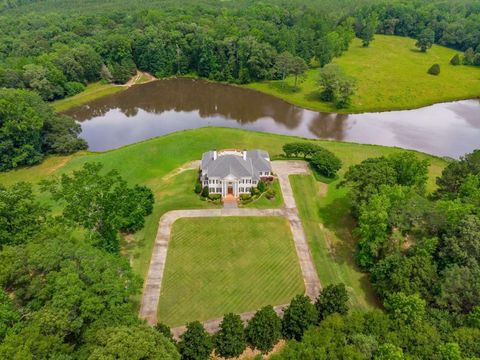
[{"x": 220, "y": 265}]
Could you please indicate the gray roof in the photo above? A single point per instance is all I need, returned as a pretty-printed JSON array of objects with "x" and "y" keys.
[{"x": 224, "y": 165}]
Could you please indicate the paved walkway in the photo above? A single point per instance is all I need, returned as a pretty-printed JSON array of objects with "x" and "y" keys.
[{"x": 153, "y": 282}]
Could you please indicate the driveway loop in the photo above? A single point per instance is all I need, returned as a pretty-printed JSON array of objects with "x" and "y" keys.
[{"x": 153, "y": 282}]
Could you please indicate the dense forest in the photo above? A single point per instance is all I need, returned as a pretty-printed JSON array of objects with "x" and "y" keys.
[
  {"x": 423, "y": 253},
  {"x": 56, "y": 52}
]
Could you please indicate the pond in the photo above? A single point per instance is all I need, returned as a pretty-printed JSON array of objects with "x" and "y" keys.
[{"x": 164, "y": 106}]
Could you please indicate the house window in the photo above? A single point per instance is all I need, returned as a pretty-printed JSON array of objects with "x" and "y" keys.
[
  {"x": 254, "y": 182},
  {"x": 205, "y": 182},
  {"x": 247, "y": 189},
  {"x": 212, "y": 190},
  {"x": 219, "y": 190}
]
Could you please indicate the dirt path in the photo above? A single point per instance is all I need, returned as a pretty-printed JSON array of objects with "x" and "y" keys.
[
  {"x": 133, "y": 80},
  {"x": 185, "y": 167},
  {"x": 153, "y": 282}
]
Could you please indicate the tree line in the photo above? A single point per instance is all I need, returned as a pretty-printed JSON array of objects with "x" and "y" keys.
[{"x": 56, "y": 54}]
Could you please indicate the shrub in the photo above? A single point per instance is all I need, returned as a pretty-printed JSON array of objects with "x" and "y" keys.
[
  {"x": 205, "y": 191},
  {"x": 455, "y": 60},
  {"x": 434, "y": 69},
  {"x": 262, "y": 186},
  {"x": 73, "y": 88},
  {"x": 214, "y": 197},
  {"x": 326, "y": 163},
  {"x": 198, "y": 188},
  {"x": 245, "y": 197},
  {"x": 300, "y": 149},
  {"x": 254, "y": 191},
  {"x": 270, "y": 193}
]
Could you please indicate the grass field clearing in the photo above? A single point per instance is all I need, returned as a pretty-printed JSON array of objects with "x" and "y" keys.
[{"x": 391, "y": 74}]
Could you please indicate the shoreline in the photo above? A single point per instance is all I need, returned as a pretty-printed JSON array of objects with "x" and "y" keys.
[{"x": 111, "y": 89}]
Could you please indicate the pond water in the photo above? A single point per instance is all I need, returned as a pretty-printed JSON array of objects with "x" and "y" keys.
[{"x": 161, "y": 107}]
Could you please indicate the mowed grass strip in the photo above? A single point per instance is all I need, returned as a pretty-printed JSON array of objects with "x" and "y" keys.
[
  {"x": 227, "y": 264},
  {"x": 327, "y": 224}
]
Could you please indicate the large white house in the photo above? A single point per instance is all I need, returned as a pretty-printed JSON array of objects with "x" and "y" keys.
[{"x": 234, "y": 172}]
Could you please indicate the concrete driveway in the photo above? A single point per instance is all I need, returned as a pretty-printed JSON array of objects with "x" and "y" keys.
[{"x": 153, "y": 282}]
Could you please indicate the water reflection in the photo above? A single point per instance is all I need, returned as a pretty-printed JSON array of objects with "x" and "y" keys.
[{"x": 161, "y": 107}]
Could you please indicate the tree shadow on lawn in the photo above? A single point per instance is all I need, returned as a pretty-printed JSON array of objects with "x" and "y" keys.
[
  {"x": 315, "y": 95},
  {"x": 284, "y": 87}
]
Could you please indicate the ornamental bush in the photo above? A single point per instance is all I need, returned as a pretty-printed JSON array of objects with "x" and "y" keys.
[
  {"x": 205, "y": 192},
  {"x": 434, "y": 69},
  {"x": 262, "y": 186},
  {"x": 270, "y": 193},
  {"x": 198, "y": 188},
  {"x": 455, "y": 60}
]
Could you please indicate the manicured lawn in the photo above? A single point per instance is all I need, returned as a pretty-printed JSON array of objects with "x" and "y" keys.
[
  {"x": 391, "y": 74},
  {"x": 150, "y": 161},
  {"x": 92, "y": 92},
  {"x": 220, "y": 265},
  {"x": 264, "y": 203}
]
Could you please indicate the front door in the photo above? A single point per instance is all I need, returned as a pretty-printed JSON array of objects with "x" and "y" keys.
[{"x": 230, "y": 190}]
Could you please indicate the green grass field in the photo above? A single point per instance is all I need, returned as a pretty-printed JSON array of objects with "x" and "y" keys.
[
  {"x": 220, "y": 265},
  {"x": 328, "y": 226},
  {"x": 391, "y": 74},
  {"x": 152, "y": 162},
  {"x": 92, "y": 92},
  {"x": 263, "y": 203}
]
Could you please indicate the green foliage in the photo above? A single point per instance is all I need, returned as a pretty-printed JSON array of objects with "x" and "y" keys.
[
  {"x": 195, "y": 343},
  {"x": 405, "y": 308},
  {"x": 434, "y": 69},
  {"x": 336, "y": 86},
  {"x": 456, "y": 173},
  {"x": 29, "y": 129},
  {"x": 73, "y": 88},
  {"x": 286, "y": 64},
  {"x": 326, "y": 163},
  {"x": 8, "y": 315},
  {"x": 21, "y": 215},
  {"x": 298, "y": 317},
  {"x": 198, "y": 188},
  {"x": 132, "y": 343},
  {"x": 205, "y": 192},
  {"x": 230, "y": 338},
  {"x": 264, "y": 329},
  {"x": 165, "y": 331},
  {"x": 389, "y": 352},
  {"x": 425, "y": 39},
  {"x": 366, "y": 179},
  {"x": 270, "y": 193},
  {"x": 474, "y": 317},
  {"x": 455, "y": 60},
  {"x": 332, "y": 299},
  {"x": 69, "y": 290},
  {"x": 366, "y": 26},
  {"x": 102, "y": 204},
  {"x": 261, "y": 186}
]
